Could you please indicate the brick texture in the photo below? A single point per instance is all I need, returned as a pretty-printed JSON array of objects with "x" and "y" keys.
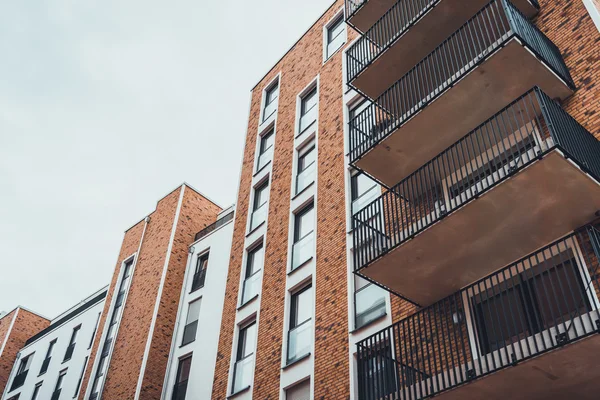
[
  {"x": 126, "y": 360},
  {"x": 26, "y": 325}
]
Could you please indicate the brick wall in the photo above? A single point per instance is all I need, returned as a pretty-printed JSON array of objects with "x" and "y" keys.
[
  {"x": 25, "y": 326},
  {"x": 126, "y": 360}
]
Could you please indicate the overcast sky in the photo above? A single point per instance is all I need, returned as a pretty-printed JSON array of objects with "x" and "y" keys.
[{"x": 105, "y": 106}]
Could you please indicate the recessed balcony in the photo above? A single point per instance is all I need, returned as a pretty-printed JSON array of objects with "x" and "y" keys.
[
  {"x": 405, "y": 34},
  {"x": 521, "y": 179},
  {"x": 495, "y": 57},
  {"x": 530, "y": 330}
]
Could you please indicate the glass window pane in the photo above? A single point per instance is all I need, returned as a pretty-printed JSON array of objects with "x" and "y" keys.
[
  {"x": 309, "y": 101},
  {"x": 266, "y": 141},
  {"x": 307, "y": 158},
  {"x": 302, "y": 306},
  {"x": 193, "y": 311},
  {"x": 260, "y": 196},
  {"x": 183, "y": 372},
  {"x": 272, "y": 94},
  {"x": 255, "y": 260},
  {"x": 305, "y": 223}
]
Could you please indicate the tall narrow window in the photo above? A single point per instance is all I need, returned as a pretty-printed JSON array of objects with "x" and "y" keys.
[
  {"x": 265, "y": 149},
  {"x": 271, "y": 96},
  {"x": 254, "y": 265},
  {"x": 59, "y": 385},
  {"x": 22, "y": 372},
  {"x": 183, "y": 375},
  {"x": 72, "y": 342},
  {"x": 115, "y": 317},
  {"x": 363, "y": 123},
  {"x": 300, "y": 332},
  {"x": 336, "y": 36},
  {"x": 200, "y": 272},
  {"x": 307, "y": 158},
  {"x": 81, "y": 377},
  {"x": 95, "y": 330},
  {"x": 369, "y": 302},
  {"x": 259, "y": 205},
  {"x": 308, "y": 109},
  {"x": 242, "y": 374},
  {"x": 304, "y": 242},
  {"x": 46, "y": 361},
  {"x": 300, "y": 391},
  {"x": 191, "y": 323},
  {"x": 36, "y": 391}
]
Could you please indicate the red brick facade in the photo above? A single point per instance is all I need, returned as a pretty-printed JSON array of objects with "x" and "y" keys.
[
  {"x": 123, "y": 374},
  {"x": 13, "y": 336}
]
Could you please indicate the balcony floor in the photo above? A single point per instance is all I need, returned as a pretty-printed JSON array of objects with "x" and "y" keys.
[
  {"x": 369, "y": 13},
  {"x": 420, "y": 40},
  {"x": 540, "y": 203},
  {"x": 479, "y": 94},
  {"x": 570, "y": 372}
]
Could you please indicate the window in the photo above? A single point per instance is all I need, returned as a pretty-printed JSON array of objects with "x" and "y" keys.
[
  {"x": 242, "y": 373},
  {"x": 300, "y": 333},
  {"x": 369, "y": 302},
  {"x": 300, "y": 391},
  {"x": 59, "y": 384},
  {"x": 308, "y": 109},
  {"x": 336, "y": 36},
  {"x": 191, "y": 323},
  {"x": 183, "y": 375},
  {"x": 363, "y": 190},
  {"x": 15, "y": 397},
  {"x": 95, "y": 330},
  {"x": 259, "y": 206},
  {"x": 200, "y": 272},
  {"x": 361, "y": 125},
  {"x": 379, "y": 369},
  {"x": 22, "y": 372},
  {"x": 271, "y": 96},
  {"x": 36, "y": 391},
  {"x": 81, "y": 377},
  {"x": 254, "y": 264},
  {"x": 71, "y": 348},
  {"x": 307, "y": 158},
  {"x": 304, "y": 226},
  {"x": 46, "y": 361},
  {"x": 112, "y": 328},
  {"x": 265, "y": 149}
]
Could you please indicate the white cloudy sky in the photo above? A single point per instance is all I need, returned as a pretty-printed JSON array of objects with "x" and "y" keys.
[{"x": 105, "y": 106}]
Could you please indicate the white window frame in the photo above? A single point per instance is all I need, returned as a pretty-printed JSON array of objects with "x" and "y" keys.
[{"x": 326, "y": 27}]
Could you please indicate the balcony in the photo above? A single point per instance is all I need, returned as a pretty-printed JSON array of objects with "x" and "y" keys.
[
  {"x": 495, "y": 57},
  {"x": 527, "y": 331},
  {"x": 521, "y": 179},
  {"x": 362, "y": 14},
  {"x": 405, "y": 34}
]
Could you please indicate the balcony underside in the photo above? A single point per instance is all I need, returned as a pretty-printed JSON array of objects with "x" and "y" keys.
[
  {"x": 419, "y": 40},
  {"x": 521, "y": 214},
  {"x": 369, "y": 13},
  {"x": 568, "y": 372},
  {"x": 484, "y": 91}
]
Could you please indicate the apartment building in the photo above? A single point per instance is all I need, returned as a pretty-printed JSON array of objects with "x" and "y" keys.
[
  {"x": 417, "y": 216},
  {"x": 419, "y": 176},
  {"x": 52, "y": 361}
]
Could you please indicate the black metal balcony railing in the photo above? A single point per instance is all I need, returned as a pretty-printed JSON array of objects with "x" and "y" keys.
[
  {"x": 19, "y": 380},
  {"x": 180, "y": 390},
  {"x": 523, "y": 132},
  {"x": 352, "y": 6},
  {"x": 45, "y": 365},
  {"x": 402, "y": 16},
  {"x": 214, "y": 226},
  {"x": 539, "y": 303},
  {"x": 463, "y": 51},
  {"x": 69, "y": 352},
  {"x": 198, "y": 279}
]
